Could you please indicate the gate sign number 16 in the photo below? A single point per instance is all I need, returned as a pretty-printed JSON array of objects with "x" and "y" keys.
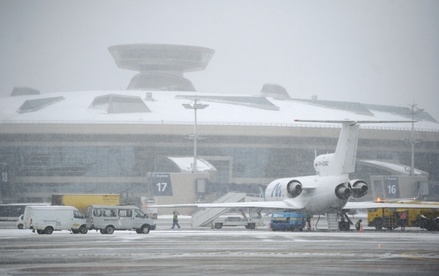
[{"x": 392, "y": 189}]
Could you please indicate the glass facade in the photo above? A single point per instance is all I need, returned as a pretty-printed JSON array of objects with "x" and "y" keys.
[
  {"x": 129, "y": 161},
  {"x": 93, "y": 169},
  {"x": 70, "y": 161}
]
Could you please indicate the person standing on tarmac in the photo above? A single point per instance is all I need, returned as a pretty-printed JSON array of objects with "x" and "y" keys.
[
  {"x": 175, "y": 220},
  {"x": 308, "y": 222},
  {"x": 358, "y": 225},
  {"x": 403, "y": 220}
]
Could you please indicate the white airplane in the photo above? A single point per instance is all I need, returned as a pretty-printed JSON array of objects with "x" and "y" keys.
[{"x": 327, "y": 192}]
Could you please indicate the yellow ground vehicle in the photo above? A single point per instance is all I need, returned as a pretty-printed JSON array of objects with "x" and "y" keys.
[
  {"x": 82, "y": 201},
  {"x": 389, "y": 218}
]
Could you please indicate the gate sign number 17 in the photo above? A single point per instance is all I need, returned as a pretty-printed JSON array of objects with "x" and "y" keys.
[{"x": 161, "y": 186}]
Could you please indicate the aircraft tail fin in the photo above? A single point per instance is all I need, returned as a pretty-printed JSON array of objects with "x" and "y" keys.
[
  {"x": 342, "y": 161},
  {"x": 346, "y": 151}
]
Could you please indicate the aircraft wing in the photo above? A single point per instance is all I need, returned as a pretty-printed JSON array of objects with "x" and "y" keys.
[
  {"x": 247, "y": 204},
  {"x": 396, "y": 204},
  {"x": 352, "y": 122}
]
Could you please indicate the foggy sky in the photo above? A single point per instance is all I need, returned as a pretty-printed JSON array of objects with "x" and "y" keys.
[{"x": 380, "y": 52}]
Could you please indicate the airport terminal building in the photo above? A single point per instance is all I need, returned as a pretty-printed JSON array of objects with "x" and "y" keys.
[{"x": 143, "y": 141}]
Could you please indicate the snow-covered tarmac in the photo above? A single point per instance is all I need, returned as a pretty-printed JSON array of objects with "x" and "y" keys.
[{"x": 229, "y": 251}]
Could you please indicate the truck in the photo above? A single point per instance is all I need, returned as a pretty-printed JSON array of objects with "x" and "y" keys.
[
  {"x": 46, "y": 219},
  {"x": 107, "y": 219},
  {"x": 145, "y": 207},
  {"x": 288, "y": 221},
  {"x": 389, "y": 218},
  {"x": 82, "y": 201}
]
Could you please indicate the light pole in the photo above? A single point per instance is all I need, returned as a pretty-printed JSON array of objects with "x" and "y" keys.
[
  {"x": 412, "y": 140},
  {"x": 195, "y": 106}
]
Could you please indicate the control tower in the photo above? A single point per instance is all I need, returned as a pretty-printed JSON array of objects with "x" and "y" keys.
[{"x": 161, "y": 66}]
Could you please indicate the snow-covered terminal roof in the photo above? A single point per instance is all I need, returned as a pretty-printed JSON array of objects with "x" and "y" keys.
[{"x": 166, "y": 107}]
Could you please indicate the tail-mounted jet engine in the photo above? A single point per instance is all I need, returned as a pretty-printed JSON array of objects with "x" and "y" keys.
[
  {"x": 359, "y": 188},
  {"x": 292, "y": 189},
  {"x": 343, "y": 191}
]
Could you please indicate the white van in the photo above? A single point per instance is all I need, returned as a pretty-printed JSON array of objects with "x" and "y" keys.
[
  {"x": 46, "y": 219},
  {"x": 107, "y": 218}
]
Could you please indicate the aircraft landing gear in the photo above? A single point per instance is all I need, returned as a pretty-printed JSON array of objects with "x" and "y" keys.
[{"x": 345, "y": 223}]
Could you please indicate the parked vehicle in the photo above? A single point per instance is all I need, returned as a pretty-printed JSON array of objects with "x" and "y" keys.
[
  {"x": 235, "y": 221},
  {"x": 107, "y": 219},
  {"x": 20, "y": 222},
  {"x": 82, "y": 201},
  {"x": 388, "y": 218},
  {"x": 287, "y": 221},
  {"x": 10, "y": 211},
  {"x": 46, "y": 219},
  {"x": 145, "y": 207}
]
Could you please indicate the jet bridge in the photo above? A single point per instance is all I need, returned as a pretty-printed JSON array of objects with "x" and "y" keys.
[{"x": 204, "y": 217}]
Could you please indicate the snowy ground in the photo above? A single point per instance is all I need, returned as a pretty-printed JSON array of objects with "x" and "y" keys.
[{"x": 229, "y": 251}]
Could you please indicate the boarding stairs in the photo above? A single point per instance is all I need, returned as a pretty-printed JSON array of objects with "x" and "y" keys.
[
  {"x": 332, "y": 220},
  {"x": 205, "y": 217}
]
